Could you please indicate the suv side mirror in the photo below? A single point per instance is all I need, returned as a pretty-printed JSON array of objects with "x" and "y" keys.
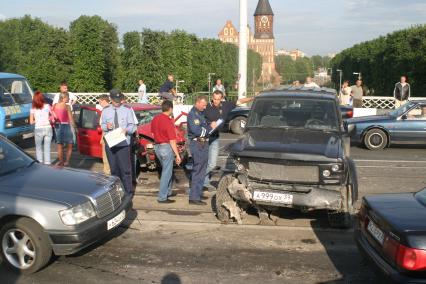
[{"x": 99, "y": 129}]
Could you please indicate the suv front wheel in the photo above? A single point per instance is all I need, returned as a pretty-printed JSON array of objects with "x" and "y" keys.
[{"x": 25, "y": 247}]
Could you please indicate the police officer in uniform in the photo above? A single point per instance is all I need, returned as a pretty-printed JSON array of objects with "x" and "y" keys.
[
  {"x": 198, "y": 133},
  {"x": 116, "y": 116}
]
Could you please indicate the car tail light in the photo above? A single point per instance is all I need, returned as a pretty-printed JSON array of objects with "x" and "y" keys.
[
  {"x": 350, "y": 114},
  {"x": 411, "y": 258}
]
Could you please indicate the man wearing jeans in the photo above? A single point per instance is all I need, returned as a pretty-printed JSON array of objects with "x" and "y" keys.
[
  {"x": 217, "y": 109},
  {"x": 164, "y": 131}
]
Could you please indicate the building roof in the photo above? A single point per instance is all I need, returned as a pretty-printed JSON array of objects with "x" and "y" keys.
[{"x": 263, "y": 8}]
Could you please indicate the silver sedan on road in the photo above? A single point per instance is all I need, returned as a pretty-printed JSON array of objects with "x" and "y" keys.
[{"x": 45, "y": 210}]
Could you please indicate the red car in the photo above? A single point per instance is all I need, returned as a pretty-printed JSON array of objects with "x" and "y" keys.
[{"x": 90, "y": 133}]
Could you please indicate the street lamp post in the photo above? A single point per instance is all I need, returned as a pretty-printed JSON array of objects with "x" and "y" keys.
[
  {"x": 359, "y": 75},
  {"x": 177, "y": 84},
  {"x": 340, "y": 78},
  {"x": 210, "y": 82}
]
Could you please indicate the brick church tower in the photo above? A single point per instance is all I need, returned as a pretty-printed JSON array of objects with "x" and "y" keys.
[{"x": 263, "y": 41}]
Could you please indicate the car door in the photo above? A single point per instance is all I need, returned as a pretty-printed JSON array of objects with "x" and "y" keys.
[
  {"x": 89, "y": 133},
  {"x": 411, "y": 127}
]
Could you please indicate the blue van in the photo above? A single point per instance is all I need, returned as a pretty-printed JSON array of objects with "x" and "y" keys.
[{"x": 15, "y": 105}]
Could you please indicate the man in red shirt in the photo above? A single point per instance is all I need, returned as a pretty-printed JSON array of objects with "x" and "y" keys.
[{"x": 164, "y": 131}]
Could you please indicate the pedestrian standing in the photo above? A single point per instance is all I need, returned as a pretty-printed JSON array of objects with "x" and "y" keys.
[
  {"x": 164, "y": 131},
  {"x": 120, "y": 116},
  {"x": 167, "y": 90},
  {"x": 345, "y": 94},
  {"x": 357, "y": 93},
  {"x": 215, "y": 110},
  {"x": 103, "y": 102},
  {"x": 63, "y": 89},
  {"x": 63, "y": 124},
  {"x": 402, "y": 92},
  {"x": 142, "y": 95},
  {"x": 198, "y": 133},
  {"x": 220, "y": 87},
  {"x": 309, "y": 83},
  {"x": 40, "y": 115}
]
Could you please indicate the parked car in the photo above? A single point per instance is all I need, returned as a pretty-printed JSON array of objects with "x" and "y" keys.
[
  {"x": 15, "y": 105},
  {"x": 294, "y": 153},
  {"x": 404, "y": 125},
  {"x": 391, "y": 234},
  {"x": 237, "y": 118},
  {"x": 89, "y": 134},
  {"x": 47, "y": 210}
]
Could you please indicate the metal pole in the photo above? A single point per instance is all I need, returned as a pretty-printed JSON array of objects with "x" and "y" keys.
[
  {"x": 177, "y": 84},
  {"x": 210, "y": 82},
  {"x": 242, "y": 69},
  {"x": 340, "y": 79}
]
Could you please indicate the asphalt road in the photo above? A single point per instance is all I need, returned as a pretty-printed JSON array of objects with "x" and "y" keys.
[{"x": 179, "y": 243}]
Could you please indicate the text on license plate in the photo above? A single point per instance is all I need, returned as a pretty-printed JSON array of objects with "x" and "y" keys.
[
  {"x": 273, "y": 197},
  {"x": 114, "y": 222},
  {"x": 376, "y": 232}
]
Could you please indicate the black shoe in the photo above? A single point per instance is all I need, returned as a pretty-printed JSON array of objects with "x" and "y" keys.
[
  {"x": 197, "y": 202},
  {"x": 173, "y": 194},
  {"x": 217, "y": 168},
  {"x": 166, "y": 201}
]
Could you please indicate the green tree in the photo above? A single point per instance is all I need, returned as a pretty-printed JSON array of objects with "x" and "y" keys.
[
  {"x": 94, "y": 47},
  {"x": 131, "y": 61}
]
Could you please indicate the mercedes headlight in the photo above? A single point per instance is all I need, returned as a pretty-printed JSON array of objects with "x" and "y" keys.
[
  {"x": 77, "y": 214},
  {"x": 335, "y": 168},
  {"x": 120, "y": 189}
]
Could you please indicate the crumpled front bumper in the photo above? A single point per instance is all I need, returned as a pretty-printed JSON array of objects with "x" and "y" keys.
[{"x": 308, "y": 197}]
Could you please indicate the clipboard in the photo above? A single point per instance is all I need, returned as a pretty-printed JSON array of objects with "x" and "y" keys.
[
  {"x": 115, "y": 137},
  {"x": 219, "y": 122}
]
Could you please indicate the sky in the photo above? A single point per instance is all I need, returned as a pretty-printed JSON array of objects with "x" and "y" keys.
[{"x": 312, "y": 26}]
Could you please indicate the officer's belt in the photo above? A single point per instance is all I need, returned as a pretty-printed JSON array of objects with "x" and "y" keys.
[{"x": 201, "y": 139}]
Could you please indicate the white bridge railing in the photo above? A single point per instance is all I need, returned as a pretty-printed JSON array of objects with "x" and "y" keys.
[{"x": 368, "y": 101}]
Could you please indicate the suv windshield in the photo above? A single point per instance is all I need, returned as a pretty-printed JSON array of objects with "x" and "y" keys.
[
  {"x": 14, "y": 91},
  {"x": 12, "y": 159},
  {"x": 294, "y": 113},
  {"x": 146, "y": 116}
]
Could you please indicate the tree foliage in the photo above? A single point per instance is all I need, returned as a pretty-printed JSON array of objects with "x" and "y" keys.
[
  {"x": 294, "y": 70},
  {"x": 90, "y": 57},
  {"x": 382, "y": 61}
]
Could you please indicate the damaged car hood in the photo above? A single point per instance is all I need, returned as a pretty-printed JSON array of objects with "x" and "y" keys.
[{"x": 295, "y": 144}]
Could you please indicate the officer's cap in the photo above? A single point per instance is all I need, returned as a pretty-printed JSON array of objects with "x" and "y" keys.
[{"x": 116, "y": 95}]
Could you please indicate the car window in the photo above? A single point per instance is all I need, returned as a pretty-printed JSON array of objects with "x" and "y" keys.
[
  {"x": 11, "y": 158},
  {"x": 89, "y": 119},
  {"x": 417, "y": 113},
  {"x": 14, "y": 91},
  {"x": 401, "y": 110},
  {"x": 294, "y": 113},
  {"x": 146, "y": 116}
]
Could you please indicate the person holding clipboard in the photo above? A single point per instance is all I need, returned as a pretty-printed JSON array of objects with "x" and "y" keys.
[
  {"x": 217, "y": 110},
  {"x": 118, "y": 125}
]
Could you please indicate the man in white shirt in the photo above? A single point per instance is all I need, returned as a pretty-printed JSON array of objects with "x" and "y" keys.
[
  {"x": 63, "y": 88},
  {"x": 219, "y": 87},
  {"x": 142, "y": 95},
  {"x": 310, "y": 84}
]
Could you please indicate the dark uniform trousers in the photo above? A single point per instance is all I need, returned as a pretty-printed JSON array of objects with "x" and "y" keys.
[
  {"x": 119, "y": 162},
  {"x": 200, "y": 155}
]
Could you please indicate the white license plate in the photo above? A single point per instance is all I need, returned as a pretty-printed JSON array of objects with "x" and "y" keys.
[
  {"x": 114, "y": 222},
  {"x": 28, "y": 135},
  {"x": 273, "y": 197},
  {"x": 376, "y": 232}
]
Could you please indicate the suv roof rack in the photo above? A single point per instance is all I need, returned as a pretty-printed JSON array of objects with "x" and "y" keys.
[{"x": 302, "y": 88}]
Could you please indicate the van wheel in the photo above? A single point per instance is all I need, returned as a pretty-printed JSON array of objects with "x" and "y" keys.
[
  {"x": 25, "y": 247},
  {"x": 236, "y": 123},
  {"x": 375, "y": 139}
]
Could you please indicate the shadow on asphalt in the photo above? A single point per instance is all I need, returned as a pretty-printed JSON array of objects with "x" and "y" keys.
[
  {"x": 353, "y": 269},
  {"x": 171, "y": 278}
]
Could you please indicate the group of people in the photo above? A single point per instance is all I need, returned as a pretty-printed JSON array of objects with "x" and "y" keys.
[
  {"x": 353, "y": 95},
  {"x": 56, "y": 120}
]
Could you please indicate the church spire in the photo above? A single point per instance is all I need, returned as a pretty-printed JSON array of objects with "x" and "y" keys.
[{"x": 263, "y": 8}]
